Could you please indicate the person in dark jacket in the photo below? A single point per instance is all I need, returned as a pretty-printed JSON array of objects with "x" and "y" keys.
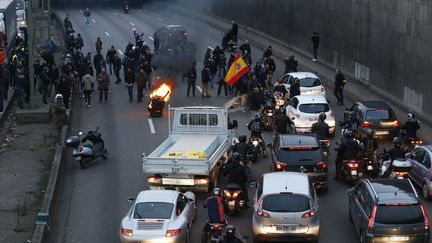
[
  {"x": 237, "y": 174},
  {"x": 205, "y": 78},
  {"x": 348, "y": 150},
  {"x": 130, "y": 80},
  {"x": 79, "y": 41},
  {"x": 191, "y": 76},
  {"x": 141, "y": 79},
  {"x": 245, "y": 47},
  {"x": 321, "y": 128},
  {"x": 290, "y": 64},
  {"x": 281, "y": 122},
  {"x": 97, "y": 63},
  {"x": 295, "y": 88},
  {"x": 339, "y": 86},
  {"x": 117, "y": 64},
  {"x": 409, "y": 129},
  {"x": 256, "y": 100},
  {"x": 315, "y": 39},
  {"x": 64, "y": 87},
  {"x": 110, "y": 58},
  {"x": 45, "y": 82}
]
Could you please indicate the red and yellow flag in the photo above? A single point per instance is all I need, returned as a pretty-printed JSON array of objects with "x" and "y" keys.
[{"x": 236, "y": 71}]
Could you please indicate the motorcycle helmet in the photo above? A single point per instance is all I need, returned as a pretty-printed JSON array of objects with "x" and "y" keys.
[
  {"x": 396, "y": 142},
  {"x": 235, "y": 156},
  {"x": 216, "y": 192},
  {"x": 369, "y": 133},
  {"x": 59, "y": 97},
  {"x": 279, "y": 81},
  {"x": 322, "y": 116},
  {"x": 348, "y": 134},
  {"x": 242, "y": 138},
  {"x": 410, "y": 116},
  {"x": 257, "y": 117},
  {"x": 230, "y": 231},
  {"x": 291, "y": 57}
]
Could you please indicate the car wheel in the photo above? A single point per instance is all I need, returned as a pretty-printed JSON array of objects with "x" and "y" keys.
[
  {"x": 426, "y": 194},
  {"x": 350, "y": 215},
  {"x": 84, "y": 163}
]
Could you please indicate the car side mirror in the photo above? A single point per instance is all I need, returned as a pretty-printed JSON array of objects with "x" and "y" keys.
[{"x": 131, "y": 199}]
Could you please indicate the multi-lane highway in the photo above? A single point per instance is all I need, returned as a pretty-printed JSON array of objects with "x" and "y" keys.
[{"x": 94, "y": 201}]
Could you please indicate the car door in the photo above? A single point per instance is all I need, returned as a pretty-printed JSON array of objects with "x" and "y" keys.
[
  {"x": 292, "y": 109},
  {"x": 258, "y": 192},
  {"x": 424, "y": 168},
  {"x": 361, "y": 212},
  {"x": 416, "y": 162},
  {"x": 287, "y": 79}
]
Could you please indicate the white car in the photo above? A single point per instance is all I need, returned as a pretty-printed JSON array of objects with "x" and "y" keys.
[
  {"x": 304, "y": 111},
  {"x": 309, "y": 83},
  {"x": 159, "y": 216}
]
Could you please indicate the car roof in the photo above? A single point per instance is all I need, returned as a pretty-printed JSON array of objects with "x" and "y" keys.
[
  {"x": 427, "y": 146},
  {"x": 301, "y": 75},
  {"x": 168, "y": 196},
  {"x": 277, "y": 182},
  {"x": 394, "y": 191},
  {"x": 375, "y": 104},
  {"x": 298, "y": 140},
  {"x": 320, "y": 99}
]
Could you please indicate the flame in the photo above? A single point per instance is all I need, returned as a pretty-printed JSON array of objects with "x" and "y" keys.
[{"x": 164, "y": 91}]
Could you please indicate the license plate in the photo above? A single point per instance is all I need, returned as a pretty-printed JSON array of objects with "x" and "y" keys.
[
  {"x": 286, "y": 228},
  {"x": 354, "y": 172},
  {"x": 325, "y": 154},
  {"x": 180, "y": 182},
  {"x": 399, "y": 238},
  {"x": 157, "y": 188},
  {"x": 369, "y": 167},
  {"x": 269, "y": 114},
  {"x": 231, "y": 203},
  {"x": 313, "y": 119},
  {"x": 381, "y": 132}
]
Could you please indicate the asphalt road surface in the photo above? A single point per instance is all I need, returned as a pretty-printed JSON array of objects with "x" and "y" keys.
[{"x": 95, "y": 200}]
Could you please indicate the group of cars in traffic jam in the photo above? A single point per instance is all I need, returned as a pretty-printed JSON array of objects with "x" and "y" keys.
[{"x": 383, "y": 202}]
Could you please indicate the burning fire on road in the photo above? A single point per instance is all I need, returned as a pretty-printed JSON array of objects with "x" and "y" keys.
[{"x": 158, "y": 98}]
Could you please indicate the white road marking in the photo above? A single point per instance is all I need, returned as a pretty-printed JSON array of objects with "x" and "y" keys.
[
  {"x": 94, "y": 20},
  {"x": 199, "y": 89},
  {"x": 211, "y": 48},
  {"x": 115, "y": 13},
  {"x": 152, "y": 129},
  {"x": 120, "y": 52},
  {"x": 81, "y": 11},
  {"x": 106, "y": 33},
  {"x": 151, "y": 38},
  {"x": 160, "y": 19},
  {"x": 132, "y": 24}
]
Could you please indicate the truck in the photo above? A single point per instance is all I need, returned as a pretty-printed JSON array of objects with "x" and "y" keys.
[
  {"x": 199, "y": 143},
  {"x": 8, "y": 27}
]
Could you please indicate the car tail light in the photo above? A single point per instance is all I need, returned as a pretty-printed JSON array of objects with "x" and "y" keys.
[
  {"x": 127, "y": 232},
  {"x": 365, "y": 124},
  {"x": 262, "y": 214},
  {"x": 418, "y": 142},
  {"x": 309, "y": 214},
  {"x": 426, "y": 226},
  {"x": 172, "y": 233},
  {"x": 153, "y": 179},
  {"x": 371, "y": 221},
  {"x": 322, "y": 88},
  {"x": 201, "y": 181},
  {"x": 280, "y": 166},
  {"x": 396, "y": 124},
  {"x": 352, "y": 165},
  {"x": 322, "y": 165}
]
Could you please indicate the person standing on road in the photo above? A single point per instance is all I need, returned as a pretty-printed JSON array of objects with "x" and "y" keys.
[
  {"x": 79, "y": 42},
  {"x": 117, "y": 64},
  {"x": 205, "y": 78},
  {"x": 220, "y": 77},
  {"x": 192, "y": 76},
  {"x": 87, "y": 15},
  {"x": 295, "y": 88},
  {"x": 88, "y": 85},
  {"x": 141, "y": 79},
  {"x": 339, "y": 86},
  {"x": 60, "y": 117},
  {"x": 110, "y": 58},
  {"x": 315, "y": 39},
  {"x": 103, "y": 85},
  {"x": 98, "y": 45},
  {"x": 130, "y": 80}
]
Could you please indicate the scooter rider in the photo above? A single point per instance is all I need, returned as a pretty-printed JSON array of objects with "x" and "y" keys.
[
  {"x": 369, "y": 142},
  {"x": 280, "y": 87},
  {"x": 237, "y": 174},
  {"x": 352, "y": 123},
  {"x": 395, "y": 153},
  {"x": 256, "y": 126},
  {"x": 410, "y": 128},
  {"x": 281, "y": 123},
  {"x": 349, "y": 149},
  {"x": 242, "y": 148},
  {"x": 321, "y": 128},
  {"x": 230, "y": 235}
]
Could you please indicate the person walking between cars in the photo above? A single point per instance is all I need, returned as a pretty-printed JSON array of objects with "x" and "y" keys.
[
  {"x": 103, "y": 85},
  {"x": 339, "y": 86},
  {"x": 315, "y": 39},
  {"x": 87, "y": 15},
  {"x": 295, "y": 88},
  {"x": 191, "y": 76},
  {"x": 88, "y": 85}
]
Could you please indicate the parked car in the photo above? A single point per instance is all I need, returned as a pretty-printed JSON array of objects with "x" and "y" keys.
[
  {"x": 375, "y": 115},
  {"x": 170, "y": 35},
  {"x": 159, "y": 216},
  {"x": 309, "y": 83},
  {"x": 388, "y": 210},
  {"x": 301, "y": 153},
  {"x": 285, "y": 208},
  {"x": 304, "y": 111},
  {"x": 421, "y": 171}
]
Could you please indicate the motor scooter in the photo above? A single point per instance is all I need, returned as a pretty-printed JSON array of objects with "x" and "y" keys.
[{"x": 215, "y": 226}]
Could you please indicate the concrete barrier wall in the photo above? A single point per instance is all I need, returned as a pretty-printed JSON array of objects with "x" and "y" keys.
[{"x": 384, "y": 43}]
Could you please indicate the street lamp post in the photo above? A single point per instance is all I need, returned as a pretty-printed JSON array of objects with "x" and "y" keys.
[
  {"x": 49, "y": 20},
  {"x": 30, "y": 29}
]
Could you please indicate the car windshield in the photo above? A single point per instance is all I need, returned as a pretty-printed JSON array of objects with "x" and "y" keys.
[
  {"x": 309, "y": 82},
  {"x": 153, "y": 210},
  {"x": 285, "y": 203},
  {"x": 314, "y": 108},
  {"x": 379, "y": 114},
  {"x": 410, "y": 214}
]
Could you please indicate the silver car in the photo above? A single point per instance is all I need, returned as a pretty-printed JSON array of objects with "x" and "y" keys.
[
  {"x": 159, "y": 216},
  {"x": 285, "y": 208}
]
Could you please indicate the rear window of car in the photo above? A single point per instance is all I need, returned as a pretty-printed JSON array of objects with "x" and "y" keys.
[
  {"x": 411, "y": 214},
  {"x": 285, "y": 203},
  {"x": 291, "y": 156},
  {"x": 309, "y": 82},
  {"x": 314, "y": 108},
  {"x": 153, "y": 210},
  {"x": 379, "y": 114}
]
